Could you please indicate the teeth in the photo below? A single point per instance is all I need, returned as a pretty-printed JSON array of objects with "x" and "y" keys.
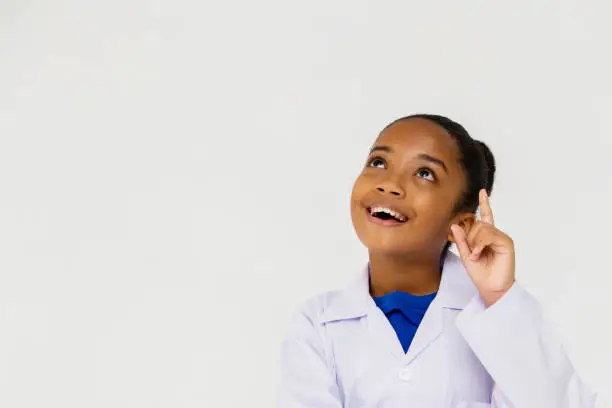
[{"x": 389, "y": 211}]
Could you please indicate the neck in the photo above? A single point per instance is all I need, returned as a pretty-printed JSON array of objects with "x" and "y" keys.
[{"x": 390, "y": 273}]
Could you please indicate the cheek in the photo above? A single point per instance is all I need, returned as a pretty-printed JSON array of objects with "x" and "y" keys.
[
  {"x": 434, "y": 221},
  {"x": 360, "y": 188},
  {"x": 355, "y": 204}
]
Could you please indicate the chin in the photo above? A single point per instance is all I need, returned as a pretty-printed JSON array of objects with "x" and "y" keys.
[
  {"x": 390, "y": 252},
  {"x": 386, "y": 246}
]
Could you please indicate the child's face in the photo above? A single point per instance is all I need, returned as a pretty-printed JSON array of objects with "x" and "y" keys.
[{"x": 414, "y": 170}]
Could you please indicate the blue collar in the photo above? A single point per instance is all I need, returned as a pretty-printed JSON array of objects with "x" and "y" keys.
[
  {"x": 456, "y": 290},
  {"x": 404, "y": 302}
]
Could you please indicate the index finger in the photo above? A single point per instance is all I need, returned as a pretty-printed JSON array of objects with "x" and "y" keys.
[{"x": 486, "y": 213}]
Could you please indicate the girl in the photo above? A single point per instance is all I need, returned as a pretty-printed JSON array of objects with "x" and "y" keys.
[{"x": 422, "y": 327}]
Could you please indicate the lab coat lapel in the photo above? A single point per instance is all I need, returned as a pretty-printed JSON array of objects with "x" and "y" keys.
[
  {"x": 455, "y": 292},
  {"x": 383, "y": 333},
  {"x": 355, "y": 302},
  {"x": 428, "y": 331}
]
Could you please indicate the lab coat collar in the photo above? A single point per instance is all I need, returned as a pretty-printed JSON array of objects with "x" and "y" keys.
[{"x": 455, "y": 291}]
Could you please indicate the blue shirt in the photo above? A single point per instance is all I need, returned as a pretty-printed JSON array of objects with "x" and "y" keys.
[{"x": 405, "y": 312}]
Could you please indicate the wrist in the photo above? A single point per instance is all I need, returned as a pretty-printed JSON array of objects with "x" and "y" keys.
[{"x": 492, "y": 296}]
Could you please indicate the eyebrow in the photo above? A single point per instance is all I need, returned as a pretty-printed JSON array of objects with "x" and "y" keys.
[
  {"x": 432, "y": 159},
  {"x": 422, "y": 156},
  {"x": 381, "y": 148}
]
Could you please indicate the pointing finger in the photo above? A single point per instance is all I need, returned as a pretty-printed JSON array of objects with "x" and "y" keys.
[{"x": 486, "y": 213}]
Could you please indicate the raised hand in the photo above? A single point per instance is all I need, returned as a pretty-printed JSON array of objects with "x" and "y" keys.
[{"x": 487, "y": 254}]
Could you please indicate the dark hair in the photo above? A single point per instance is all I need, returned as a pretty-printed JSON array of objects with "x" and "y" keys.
[{"x": 476, "y": 159}]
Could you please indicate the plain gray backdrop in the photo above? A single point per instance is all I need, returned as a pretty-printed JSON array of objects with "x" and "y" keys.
[{"x": 175, "y": 177}]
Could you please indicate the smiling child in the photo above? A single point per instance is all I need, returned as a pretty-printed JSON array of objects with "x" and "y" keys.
[{"x": 421, "y": 326}]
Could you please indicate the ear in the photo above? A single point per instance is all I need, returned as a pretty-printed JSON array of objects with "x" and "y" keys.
[{"x": 465, "y": 221}]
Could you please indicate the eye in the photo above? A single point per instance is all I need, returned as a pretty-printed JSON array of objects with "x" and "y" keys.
[
  {"x": 426, "y": 174},
  {"x": 377, "y": 162}
]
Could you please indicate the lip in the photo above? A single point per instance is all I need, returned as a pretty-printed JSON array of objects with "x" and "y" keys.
[
  {"x": 388, "y": 205},
  {"x": 384, "y": 223}
]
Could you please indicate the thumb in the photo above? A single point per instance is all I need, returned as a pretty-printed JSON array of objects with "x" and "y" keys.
[{"x": 461, "y": 241}]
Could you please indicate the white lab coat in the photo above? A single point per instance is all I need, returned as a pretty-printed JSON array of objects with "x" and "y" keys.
[{"x": 340, "y": 351}]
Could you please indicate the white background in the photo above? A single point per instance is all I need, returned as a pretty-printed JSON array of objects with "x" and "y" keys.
[{"x": 175, "y": 177}]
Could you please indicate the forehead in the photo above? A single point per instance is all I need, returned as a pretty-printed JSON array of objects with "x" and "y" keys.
[{"x": 419, "y": 136}]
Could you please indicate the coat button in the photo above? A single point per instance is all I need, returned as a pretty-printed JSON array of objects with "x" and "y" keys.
[{"x": 405, "y": 374}]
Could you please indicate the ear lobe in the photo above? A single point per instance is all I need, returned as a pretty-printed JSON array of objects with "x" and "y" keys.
[
  {"x": 451, "y": 237},
  {"x": 466, "y": 222}
]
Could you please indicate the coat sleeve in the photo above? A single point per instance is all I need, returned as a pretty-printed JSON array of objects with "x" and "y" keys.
[
  {"x": 522, "y": 353},
  {"x": 307, "y": 378}
]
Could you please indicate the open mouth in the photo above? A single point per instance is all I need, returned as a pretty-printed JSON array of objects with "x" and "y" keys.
[{"x": 386, "y": 216}]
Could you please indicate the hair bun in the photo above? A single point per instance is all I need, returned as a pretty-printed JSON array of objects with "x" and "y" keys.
[{"x": 489, "y": 160}]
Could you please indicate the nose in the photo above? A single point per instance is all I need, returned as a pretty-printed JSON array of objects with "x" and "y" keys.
[{"x": 389, "y": 187}]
